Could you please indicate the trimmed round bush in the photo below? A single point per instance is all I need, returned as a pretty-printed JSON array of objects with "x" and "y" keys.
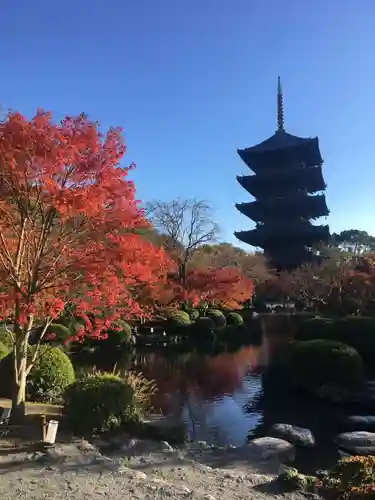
[
  {"x": 119, "y": 335},
  {"x": 325, "y": 367},
  {"x": 52, "y": 373},
  {"x": 4, "y": 351},
  {"x": 217, "y": 317},
  {"x": 314, "y": 328},
  {"x": 177, "y": 317},
  {"x": 101, "y": 402},
  {"x": 58, "y": 333},
  {"x": 204, "y": 326},
  {"x": 234, "y": 319},
  {"x": 356, "y": 331},
  {"x": 194, "y": 314}
]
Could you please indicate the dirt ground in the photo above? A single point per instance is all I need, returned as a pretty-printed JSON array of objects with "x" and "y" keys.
[{"x": 136, "y": 470}]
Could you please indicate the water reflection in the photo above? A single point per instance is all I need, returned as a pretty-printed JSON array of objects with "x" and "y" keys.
[{"x": 212, "y": 395}]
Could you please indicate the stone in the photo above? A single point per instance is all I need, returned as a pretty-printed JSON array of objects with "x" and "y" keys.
[
  {"x": 136, "y": 474},
  {"x": 165, "y": 446},
  {"x": 272, "y": 448},
  {"x": 298, "y": 436},
  {"x": 356, "y": 438},
  {"x": 128, "y": 445},
  {"x": 356, "y": 443}
]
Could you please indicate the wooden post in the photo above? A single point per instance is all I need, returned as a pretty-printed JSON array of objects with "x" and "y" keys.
[{"x": 44, "y": 427}]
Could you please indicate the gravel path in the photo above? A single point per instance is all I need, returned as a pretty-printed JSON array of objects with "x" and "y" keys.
[{"x": 78, "y": 471}]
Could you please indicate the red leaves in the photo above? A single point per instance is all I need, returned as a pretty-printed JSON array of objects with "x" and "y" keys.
[
  {"x": 68, "y": 217},
  {"x": 225, "y": 287}
]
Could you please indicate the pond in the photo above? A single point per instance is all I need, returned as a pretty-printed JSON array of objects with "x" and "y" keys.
[{"x": 226, "y": 399}]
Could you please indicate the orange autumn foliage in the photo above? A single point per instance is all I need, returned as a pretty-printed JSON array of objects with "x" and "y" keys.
[
  {"x": 69, "y": 221},
  {"x": 225, "y": 287}
]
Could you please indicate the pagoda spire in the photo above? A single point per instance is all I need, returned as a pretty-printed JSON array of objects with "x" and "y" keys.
[{"x": 280, "y": 106}]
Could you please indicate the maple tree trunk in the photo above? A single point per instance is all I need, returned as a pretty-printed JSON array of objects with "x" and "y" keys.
[{"x": 19, "y": 386}]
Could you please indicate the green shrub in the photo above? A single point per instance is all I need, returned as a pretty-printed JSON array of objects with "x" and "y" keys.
[
  {"x": 352, "y": 477},
  {"x": 194, "y": 314},
  {"x": 293, "y": 480},
  {"x": 52, "y": 373},
  {"x": 6, "y": 338},
  {"x": 102, "y": 402},
  {"x": 203, "y": 326},
  {"x": 119, "y": 335},
  {"x": 358, "y": 332},
  {"x": 235, "y": 319},
  {"x": 4, "y": 351},
  {"x": 314, "y": 328},
  {"x": 177, "y": 317},
  {"x": 217, "y": 317},
  {"x": 58, "y": 333},
  {"x": 325, "y": 367}
]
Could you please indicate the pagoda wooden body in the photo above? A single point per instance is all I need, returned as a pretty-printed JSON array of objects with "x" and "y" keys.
[{"x": 288, "y": 187}]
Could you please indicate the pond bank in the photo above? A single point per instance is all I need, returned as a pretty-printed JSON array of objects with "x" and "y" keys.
[{"x": 138, "y": 470}]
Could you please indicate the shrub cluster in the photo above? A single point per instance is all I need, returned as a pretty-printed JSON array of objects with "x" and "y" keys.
[
  {"x": 177, "y": 317},
  {"x": 357, "y": 332},
  {"x": 234, "y": 319},
  {"x": 217, "y": 317},
  {"x": 102, "y": 402},
  {"x": 52, "y": 373},
  {"x": 352, "y": 477},
  {"x": 325, "y": 367}
]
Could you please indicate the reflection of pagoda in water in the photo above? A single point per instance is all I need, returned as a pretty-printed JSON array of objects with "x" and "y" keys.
[{"x": 288, "y": 187}]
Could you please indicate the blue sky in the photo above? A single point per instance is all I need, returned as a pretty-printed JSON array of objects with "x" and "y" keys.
[{"x": 190, "y": 81}]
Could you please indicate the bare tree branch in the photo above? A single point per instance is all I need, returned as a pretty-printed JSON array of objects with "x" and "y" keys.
[{"x": 186, "y": 224}]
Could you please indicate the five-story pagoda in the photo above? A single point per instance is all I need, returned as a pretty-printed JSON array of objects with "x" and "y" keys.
[{"x": 288, "y": 187}]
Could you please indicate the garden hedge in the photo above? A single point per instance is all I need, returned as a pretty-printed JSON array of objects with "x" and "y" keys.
[
  {"x": 204, "y": 326},
  {"x": 52, "y": 373},
  {"x": 325, "y": 367},
  {"x": 177, "y": 317},
  {"x": 234, "y": 319},
  {"x": 358, "y": 332},
  {"x": 217, "y": 317},
  {"x": 118, "y": 336},
  {"x": 194, "y": 314},
  {"x": 102, "y": 402}
]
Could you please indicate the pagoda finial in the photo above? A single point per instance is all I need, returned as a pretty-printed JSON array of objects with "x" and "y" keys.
[{"x": 280, "y": 106}]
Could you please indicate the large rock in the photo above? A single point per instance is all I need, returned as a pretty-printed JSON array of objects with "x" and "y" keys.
[
  {"x": 298, "y": 436},
  {"x": 272, "y": 448},
  {"x": 356, "y": 443}
]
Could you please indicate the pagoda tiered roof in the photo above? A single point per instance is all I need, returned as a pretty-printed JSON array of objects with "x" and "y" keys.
[
  {"x": 282, "y": 148},
  {"x": 308, "y": 207},
  {"x": 308, "y": 179},
  {"x": 288, "y": 189},
  {"x": 284, "y": 232}
]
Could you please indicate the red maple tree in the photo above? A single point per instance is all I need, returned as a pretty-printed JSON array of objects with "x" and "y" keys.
[
  {"x": 69, "y": 225},
  {"x": 224, "y": 287}
]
